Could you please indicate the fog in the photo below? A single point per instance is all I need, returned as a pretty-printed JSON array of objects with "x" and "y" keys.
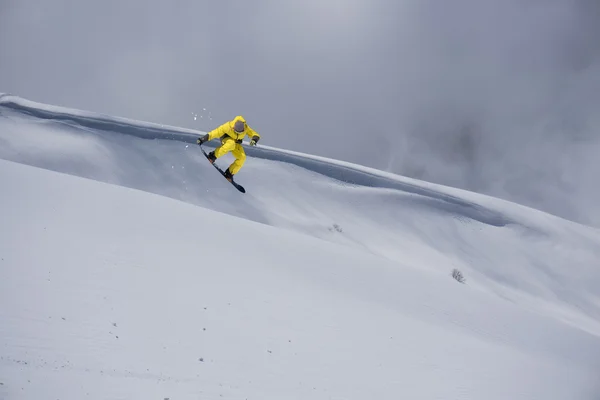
[{"x": 501, "y": 97}]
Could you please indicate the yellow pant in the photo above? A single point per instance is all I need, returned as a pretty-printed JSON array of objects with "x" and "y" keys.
[{"x": 229, "y": 145}]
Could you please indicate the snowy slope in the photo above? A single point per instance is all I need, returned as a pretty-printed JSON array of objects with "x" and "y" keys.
[
  {"x": 339, "y": 287},
  {"x": 114, "y": 293}
]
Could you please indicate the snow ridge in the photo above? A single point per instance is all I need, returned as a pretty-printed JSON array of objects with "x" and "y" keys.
[{"x": 344, "y": 172}]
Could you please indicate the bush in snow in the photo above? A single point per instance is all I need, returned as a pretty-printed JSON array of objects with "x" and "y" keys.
[
  {"x": 456, "y": 274},
  {"x": 335, "y": 227}
]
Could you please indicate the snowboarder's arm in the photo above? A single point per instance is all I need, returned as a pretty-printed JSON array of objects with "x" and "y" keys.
[
  {"x": 220, "y": 131},
  {"x": 254, "y": 136},
  {"x": 215, "y": 133}
]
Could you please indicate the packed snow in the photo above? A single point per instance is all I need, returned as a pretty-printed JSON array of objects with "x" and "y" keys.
[{"x": 129, "y": 268}]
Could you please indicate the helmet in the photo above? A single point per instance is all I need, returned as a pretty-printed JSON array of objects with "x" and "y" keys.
[{"x": 239, "y": 126}]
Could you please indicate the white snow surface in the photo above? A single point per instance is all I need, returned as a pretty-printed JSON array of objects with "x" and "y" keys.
[{"x": 130, "y": 269}]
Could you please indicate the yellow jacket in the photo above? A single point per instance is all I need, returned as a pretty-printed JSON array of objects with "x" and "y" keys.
[{"x": 227, "y": 130}]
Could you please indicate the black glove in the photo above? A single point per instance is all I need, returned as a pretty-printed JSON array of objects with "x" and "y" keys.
[
  {"x": 202, "y": 139},
  {"x": 254, "y": 141}
]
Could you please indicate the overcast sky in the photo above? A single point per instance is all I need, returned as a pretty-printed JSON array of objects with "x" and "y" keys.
[{"x": 496, "y": 96}]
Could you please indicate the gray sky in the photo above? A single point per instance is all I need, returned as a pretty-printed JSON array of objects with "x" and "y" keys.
[{"x": 496, "y": 96}]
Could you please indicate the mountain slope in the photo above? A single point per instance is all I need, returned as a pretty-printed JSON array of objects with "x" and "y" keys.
[
  {"x": 109, "y": 292},
  {"x": 326, "y": 280},
  {"x": 540, "y": 261}
]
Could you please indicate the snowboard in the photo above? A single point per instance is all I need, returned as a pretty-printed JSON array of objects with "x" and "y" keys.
[{"x": 234, "y": 183}]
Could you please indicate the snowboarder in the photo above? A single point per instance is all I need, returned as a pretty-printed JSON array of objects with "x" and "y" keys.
[{"x": 231, "y": 134}]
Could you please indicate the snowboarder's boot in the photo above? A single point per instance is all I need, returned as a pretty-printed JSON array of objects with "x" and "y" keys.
[
  {"x": 228, "y": 175},
  {"x": 211, "y": 157}
]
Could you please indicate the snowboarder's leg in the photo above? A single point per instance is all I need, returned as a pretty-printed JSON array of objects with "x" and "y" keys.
[
  {"x": 226, "y": 146},
  {"x": 240, "y": 158}
]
